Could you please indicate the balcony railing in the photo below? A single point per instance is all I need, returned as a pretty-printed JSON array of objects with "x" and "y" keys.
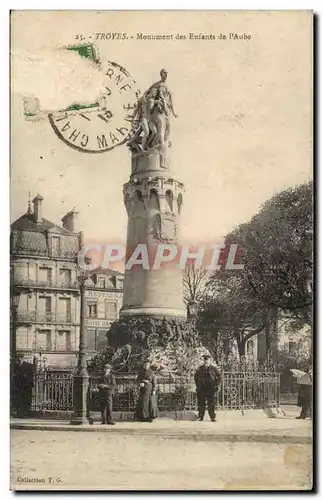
[
  {"x": 33, "y": 283},
  {"x": 64, "y": 318},
  {"x": 44, "y": 317},
  {"x": 24, "y": 250}
]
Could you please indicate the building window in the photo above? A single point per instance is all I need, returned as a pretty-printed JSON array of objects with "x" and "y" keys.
[
  {"x": 96, "y": 339},
  {"x": 292, "y": 347},
  {"x": 92, "y": 310},
  {"x": 64, "y": 310},
  {"x": 56, "y": 246},
  {"x": 44, "y": 309},
  {"x": 250, "y": 348},
  {"x": 119, "y": 282},
  {"x": 63, "y": 340},
  {"x": 65, "y": 277},
  {"x": 101, "y": 283},
  {"x": 22, "y": 337},
  {"x": 110, "y": 309},
  {"x": 68, "y": 341},
  {"x": 101, "y": 339},
  {"x": 45, "y": 275},
  {"x": 91, "y": 340},
  {"x": 44, "y": 340}
]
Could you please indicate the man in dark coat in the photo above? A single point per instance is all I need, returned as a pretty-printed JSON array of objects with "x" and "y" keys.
[
  {"x": 106, "y": 386},
  {"x": 305, "y": 396},
  {"x": 208, "y": 381},
  {"x": 22, "y": 387}
]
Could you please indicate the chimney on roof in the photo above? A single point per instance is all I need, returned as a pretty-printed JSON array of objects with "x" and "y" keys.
[
  {"x": 38, "y": 208},
  {"x": 30, "y": 210},
  {"x": 69, "y": 220}
]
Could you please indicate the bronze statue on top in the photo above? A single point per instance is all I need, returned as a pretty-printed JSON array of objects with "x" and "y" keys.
[
  {"x": 150, "y": 120},
  {"x": 161, "y": 85}
]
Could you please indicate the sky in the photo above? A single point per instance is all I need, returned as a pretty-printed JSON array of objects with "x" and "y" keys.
[{"x": 244, "y": 130}]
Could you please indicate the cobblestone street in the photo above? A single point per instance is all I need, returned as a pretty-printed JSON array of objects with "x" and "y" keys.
[{"x": 114, "y": 461}]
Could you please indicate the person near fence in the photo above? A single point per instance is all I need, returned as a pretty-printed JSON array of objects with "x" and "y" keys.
[
  {"x": 208, "y": 381},
  {"x": 305, "y": 397},
  {"x": 146, "y": 410},
  {"x": 106, "y": 387},
  {"x": 22, "y": 387}
]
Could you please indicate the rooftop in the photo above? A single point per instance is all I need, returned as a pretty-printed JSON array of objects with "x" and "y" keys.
[
  {"x": 27, "y": 222},
  {"x": 34, "y": 221},
  {"x": 106, "y": 272}
]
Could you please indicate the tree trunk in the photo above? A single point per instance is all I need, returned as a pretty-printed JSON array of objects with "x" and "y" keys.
[
  {"x": 268, "y": 339},
  {"x": 226, "y": 347},
  {"x": 241, "y": 348},
  {"x": 271, "y": 332}
]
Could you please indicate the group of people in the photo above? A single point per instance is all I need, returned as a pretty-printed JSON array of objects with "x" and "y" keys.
[
  {"x": 207, "y": 379},
  {"x": 147, "y": 405}
]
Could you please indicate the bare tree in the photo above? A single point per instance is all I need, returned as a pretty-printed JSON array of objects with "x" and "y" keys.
[{"x": 195, "y": 283}]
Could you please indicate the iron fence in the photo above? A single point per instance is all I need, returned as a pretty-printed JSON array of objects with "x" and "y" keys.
[{"x": 239, "y": 390}]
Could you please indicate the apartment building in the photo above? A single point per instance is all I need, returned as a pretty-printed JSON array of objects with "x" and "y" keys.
[
  {"x": 104, "y": 290},
  {"x": 44, "y": 275}
]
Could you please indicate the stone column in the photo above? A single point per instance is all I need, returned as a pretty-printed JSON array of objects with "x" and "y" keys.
[{"x": 153, "y": 198}]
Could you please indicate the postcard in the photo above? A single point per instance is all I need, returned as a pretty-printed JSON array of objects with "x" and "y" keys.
[{"x": 161, "y": 251}]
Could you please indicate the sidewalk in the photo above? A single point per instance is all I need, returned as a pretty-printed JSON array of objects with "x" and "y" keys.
[{"x": 282, "y": 429}]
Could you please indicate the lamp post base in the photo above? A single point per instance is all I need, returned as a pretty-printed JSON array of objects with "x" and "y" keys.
[
  {"x": 80, "y": 396},
  {"x": 79, "y": 420}
]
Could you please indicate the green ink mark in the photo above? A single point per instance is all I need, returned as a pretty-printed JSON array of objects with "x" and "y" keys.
[
  {"x": 85, "y": 50},
  {"x": 76, "y": 107}
]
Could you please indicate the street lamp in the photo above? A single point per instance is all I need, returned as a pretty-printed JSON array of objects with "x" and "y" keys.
[
  {"x": 40, "y": 362},
  {"x": 15, "y": 298},
  {"x": 81, "y": 378}
]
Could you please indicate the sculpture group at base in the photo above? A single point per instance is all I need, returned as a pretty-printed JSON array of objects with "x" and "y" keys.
[
  {"x": 169, "y": 343},
  {"x": 150, "y": 120}
]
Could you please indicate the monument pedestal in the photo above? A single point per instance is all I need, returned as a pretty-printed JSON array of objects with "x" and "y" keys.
[{"x": 153, "y": 200}]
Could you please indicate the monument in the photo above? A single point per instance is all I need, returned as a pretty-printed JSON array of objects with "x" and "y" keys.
[
  {"x": 153, "y": 198},
  {"x": 153, "y": 312}
]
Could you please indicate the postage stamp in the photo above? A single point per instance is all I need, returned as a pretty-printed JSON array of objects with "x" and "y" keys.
[{"x": 106, "y": 123}]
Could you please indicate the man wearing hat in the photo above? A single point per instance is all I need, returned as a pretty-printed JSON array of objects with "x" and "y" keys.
[
  {"x": 208, "y": 381},
  {"x": 106, "y": 386}
]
